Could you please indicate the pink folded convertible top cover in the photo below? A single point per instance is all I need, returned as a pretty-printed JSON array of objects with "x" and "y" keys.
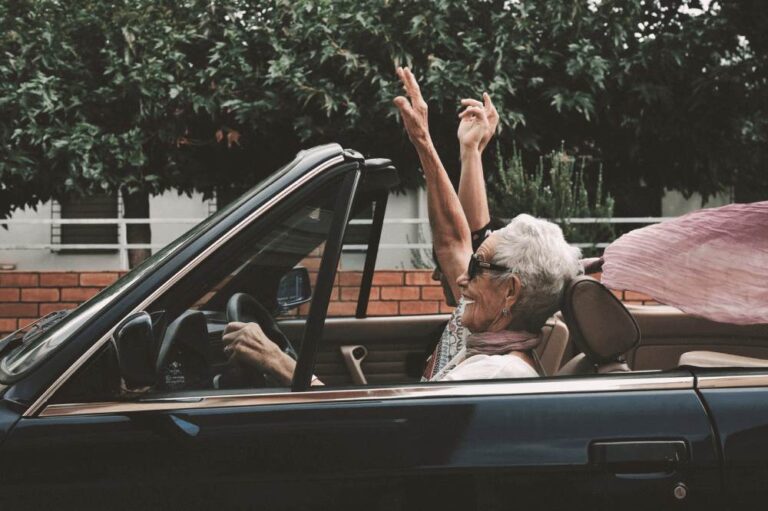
[{"x": 712, "y": 263}]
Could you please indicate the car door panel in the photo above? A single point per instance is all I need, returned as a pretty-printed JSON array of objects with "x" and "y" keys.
[
  {"x": 396, "y": 346},
  {"x": 667, "y": 333},
  {"x": 94, "y": 462},
  {"x": 481, "y": 450}
]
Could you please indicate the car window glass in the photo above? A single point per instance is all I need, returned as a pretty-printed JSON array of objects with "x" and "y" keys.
[
  {"x": 189, "y": 319},
  {"x": 402, "y": 282},
  {"x": 27, "y": 355}
]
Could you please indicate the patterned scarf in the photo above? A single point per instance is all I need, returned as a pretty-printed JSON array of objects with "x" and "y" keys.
[{"x": 452, "y": 341}]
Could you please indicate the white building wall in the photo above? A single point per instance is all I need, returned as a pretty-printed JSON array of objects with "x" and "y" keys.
[
  {"x": 673, "y": 203},
  {"x": 404, "y": 205},
  {"x": 409, "y": 204},
  {"x": 166, "y": 205},
  {"x": 44, "y": 259},
  {"x": 171, "y": 205}
]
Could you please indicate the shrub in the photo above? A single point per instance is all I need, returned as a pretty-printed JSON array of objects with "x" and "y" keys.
[{"x": 554, "y": 189}]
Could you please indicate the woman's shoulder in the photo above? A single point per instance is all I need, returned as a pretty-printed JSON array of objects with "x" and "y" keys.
[{"x": 482, "y": 367}]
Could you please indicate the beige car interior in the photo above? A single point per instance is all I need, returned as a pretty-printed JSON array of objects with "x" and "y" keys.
[
  {"x": 672, "y": 338},
  {"x": 594, "y": 334}
]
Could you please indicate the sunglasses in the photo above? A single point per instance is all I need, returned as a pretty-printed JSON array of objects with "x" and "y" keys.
[{"x": 476, "y": 266}]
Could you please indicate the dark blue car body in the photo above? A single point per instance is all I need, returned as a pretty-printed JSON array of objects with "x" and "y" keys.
[{"x": 677, "y": 439}]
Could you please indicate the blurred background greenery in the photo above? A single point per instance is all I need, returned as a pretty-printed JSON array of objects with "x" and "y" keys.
[{"x": 148, "y": 95}]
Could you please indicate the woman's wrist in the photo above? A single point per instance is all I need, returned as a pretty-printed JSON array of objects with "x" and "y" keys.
[
  {"x": 283, "y": 370},
  {"x": 469, "y": 151},
  {"x": 470, "y": 148}
]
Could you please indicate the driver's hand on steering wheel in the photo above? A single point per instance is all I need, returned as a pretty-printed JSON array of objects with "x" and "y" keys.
[{"x": 247, "y": 344}]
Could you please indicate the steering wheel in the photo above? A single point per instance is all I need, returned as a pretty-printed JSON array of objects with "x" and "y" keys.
[
  {"x": 183, "y": 358},
  {"x": 244, "y": 308}
]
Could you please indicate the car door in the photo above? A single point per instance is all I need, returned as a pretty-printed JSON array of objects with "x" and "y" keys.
[
  {"x": 600, "y": 442},
  {"x": 738, "y": 402}
]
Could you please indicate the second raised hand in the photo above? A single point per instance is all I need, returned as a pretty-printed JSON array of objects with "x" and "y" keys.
[
  {"x": 490, "y": 112},
  {"x": 473, "y": 128}
]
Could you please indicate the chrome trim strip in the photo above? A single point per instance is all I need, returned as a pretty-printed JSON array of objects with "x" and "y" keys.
[
  {"x": 733, "y": 381},
  {"x": 384, "y": 320},
  {"x": 40, "y": 401},
  {"x": 564, "y": 386}
]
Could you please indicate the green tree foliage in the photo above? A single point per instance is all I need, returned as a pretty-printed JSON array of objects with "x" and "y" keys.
[
  {"x": 147, "y": 95},
  {"x": 556, "y": 189}
]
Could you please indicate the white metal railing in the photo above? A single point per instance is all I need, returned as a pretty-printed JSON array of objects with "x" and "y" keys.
[{"x": 122, "y": 246}]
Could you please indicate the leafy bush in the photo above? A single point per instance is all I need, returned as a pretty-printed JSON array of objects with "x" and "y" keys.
[
  {"x": 554, "y": 189},
  {"x": 148, "y": 95}
]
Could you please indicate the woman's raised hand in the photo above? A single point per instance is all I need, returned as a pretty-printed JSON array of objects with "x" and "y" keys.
[
  {"x": 471, "y": 121},
  {"x": 413, "y": 109},
  {"x": 473, "y": 128}
]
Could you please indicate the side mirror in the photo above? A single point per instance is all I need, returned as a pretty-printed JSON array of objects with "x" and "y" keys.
[
  {"x": 294, "y": 289},
  {"x": 135, "y": 345}
]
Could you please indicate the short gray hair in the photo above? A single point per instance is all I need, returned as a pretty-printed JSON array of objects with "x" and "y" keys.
[{"x": 536, "y": 251}]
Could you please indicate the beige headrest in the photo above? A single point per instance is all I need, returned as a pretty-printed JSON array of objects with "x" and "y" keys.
[{"x": 601, "y": 327}]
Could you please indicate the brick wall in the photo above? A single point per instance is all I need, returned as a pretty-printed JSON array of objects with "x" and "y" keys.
[
  {"x": 26, "y": 296},
  {"x": 393, "y": 293}
]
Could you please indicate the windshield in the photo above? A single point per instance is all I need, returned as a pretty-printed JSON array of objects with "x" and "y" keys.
[{"x": 19, "y": 357}]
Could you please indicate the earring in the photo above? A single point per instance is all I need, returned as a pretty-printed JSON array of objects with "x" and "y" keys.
[{"x": 505, "y": 311}]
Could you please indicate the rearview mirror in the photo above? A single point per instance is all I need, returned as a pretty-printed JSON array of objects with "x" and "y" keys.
[
  {"x": 294, "y": 289},
  {"x": 135, "y": 345}
]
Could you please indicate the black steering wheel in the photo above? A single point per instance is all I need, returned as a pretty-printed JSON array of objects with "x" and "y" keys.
[{"x": 244, "y": 308}]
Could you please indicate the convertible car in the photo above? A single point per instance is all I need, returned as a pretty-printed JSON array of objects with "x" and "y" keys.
[{"x": 129, "y": 400}]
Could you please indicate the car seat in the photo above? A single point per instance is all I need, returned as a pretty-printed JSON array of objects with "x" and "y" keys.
[
  {"x": 550, "y": 352},
  {"x": 601, "y": 328}
]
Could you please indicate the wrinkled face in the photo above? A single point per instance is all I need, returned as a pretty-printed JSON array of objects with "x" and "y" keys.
[{"x": 486, "y": 297}]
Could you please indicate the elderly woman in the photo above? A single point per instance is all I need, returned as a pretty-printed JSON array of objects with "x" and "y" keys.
[
  {"x": 508, "y": 287},
  {"x": 514, "y": 281}
]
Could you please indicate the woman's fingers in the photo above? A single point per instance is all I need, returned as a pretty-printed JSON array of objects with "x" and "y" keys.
[
  {"x": 411, "y": 85},
  {"x": 404, "y": 80},
  {"x": 402, "y": 104},
  {"x": 238, "y": 330},
  {"x": 470, "y": 102},
  {"x": 233, "y": 326},
  {"x": 230, "y": 336},
  {"x": 473, "y": 111},
  {"x": 470, "y": 110},
  {"x": 412, "y": 90},
  {"x": 488, "y": 105},
  {"x": 229, "y": 347}
]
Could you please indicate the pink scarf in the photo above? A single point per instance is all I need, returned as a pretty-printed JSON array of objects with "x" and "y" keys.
[
  {"x": 711, "y": 263},
  {"x": 490, "y": 343},
  {"x": 500, "y": 343}
]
